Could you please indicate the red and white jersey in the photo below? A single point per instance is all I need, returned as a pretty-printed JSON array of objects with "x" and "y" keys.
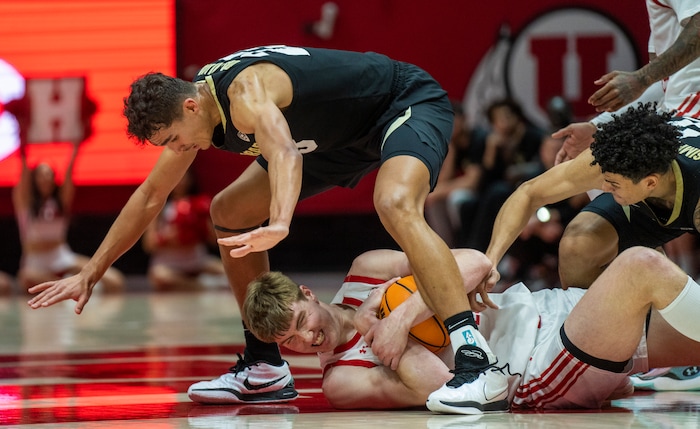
[
  {"x": 355, "y": 352},
  {"x": 511, "y": 330},
  {"x": 666, "y": 21},
  {"x": 524, "y": 335}
]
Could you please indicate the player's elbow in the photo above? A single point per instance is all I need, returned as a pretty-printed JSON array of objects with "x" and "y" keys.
[{"x": 529, "y": 195}]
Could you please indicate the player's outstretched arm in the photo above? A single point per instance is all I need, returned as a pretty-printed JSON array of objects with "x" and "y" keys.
[{"x": 556, "y": 184}]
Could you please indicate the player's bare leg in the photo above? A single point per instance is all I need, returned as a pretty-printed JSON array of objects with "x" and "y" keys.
[
  {"x": 478, "y": 386},
  {"x": 261, "y": 375},
  {"x": 609, "y": 320},
  {"x": 588, "y": 245}
]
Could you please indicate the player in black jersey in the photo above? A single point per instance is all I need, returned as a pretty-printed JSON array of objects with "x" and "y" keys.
[
  {"x": 648, "y": 165},
  {"x": 315, "y": 119}
]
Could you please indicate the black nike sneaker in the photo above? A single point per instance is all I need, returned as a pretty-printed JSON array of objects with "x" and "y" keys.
[{"x": 247, "y": 382}]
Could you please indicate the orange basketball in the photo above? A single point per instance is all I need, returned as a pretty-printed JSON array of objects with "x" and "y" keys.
[{"x": 431, "y": 333}]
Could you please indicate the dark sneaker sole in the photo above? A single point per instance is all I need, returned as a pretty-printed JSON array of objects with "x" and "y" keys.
[
  {"x": 471, "y": 407},
  {"x": 230, "y": 396}
]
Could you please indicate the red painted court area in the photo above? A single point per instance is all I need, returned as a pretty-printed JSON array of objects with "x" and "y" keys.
[
  {"x": 144, "y": 384},
  {"x": 129, "y": 358}
]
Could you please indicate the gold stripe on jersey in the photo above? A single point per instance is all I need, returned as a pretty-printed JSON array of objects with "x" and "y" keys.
[
  {"x": 212, "y": 87},
  {"x": 677, "y": 203},
  {"x": 253, "y": 150},
  {"x": 218, "y": 66},
  {"x": 679, "y": 192}
]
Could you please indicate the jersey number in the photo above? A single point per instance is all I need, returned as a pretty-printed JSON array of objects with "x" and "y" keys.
[{"x": 264, "y": 51}]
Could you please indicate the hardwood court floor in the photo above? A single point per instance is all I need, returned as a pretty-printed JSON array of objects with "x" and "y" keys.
[{"x": 128, "y": 359}]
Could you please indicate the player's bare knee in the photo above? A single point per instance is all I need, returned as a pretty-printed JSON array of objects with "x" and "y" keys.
[
  {"x": 217, "y": 210},
  {"x": 641, "y": 256},
  {"x": 647, "y": 263},
  {"x": 572, "y": 250},
  {"x": 394, "y": 207}
]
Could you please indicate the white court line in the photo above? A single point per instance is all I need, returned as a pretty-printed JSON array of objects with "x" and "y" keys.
[
  {"x": 299, "y": 361},
  {"x": 7, "y": 402},
  {"x": 50, "y": 381}
]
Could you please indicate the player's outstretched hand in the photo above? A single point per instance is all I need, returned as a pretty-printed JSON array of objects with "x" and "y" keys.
[
  {"x": 619, "y": 88},
  {"x": 50, "y": 293},
  {"x": 577, "y": 138},
  {"x": 257, "y": 240},
  {"x": 482, "y": 290}
]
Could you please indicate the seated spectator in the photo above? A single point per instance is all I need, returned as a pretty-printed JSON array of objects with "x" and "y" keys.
[
  {"x": 533, "y": 257},
  {"x": 178, "y": 241},
  {"x": 534, "y": 254},
  {"x": 42, "y": 209},
  {"x": 511, "y": 156}
]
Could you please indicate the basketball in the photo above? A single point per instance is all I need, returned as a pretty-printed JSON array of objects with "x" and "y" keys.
[{"x": 431, "y": 333}]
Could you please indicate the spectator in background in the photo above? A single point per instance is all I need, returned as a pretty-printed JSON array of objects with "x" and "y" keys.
[
  {"x": 42, "y": 208},
  {"x": 178, "y": 241},
  {"x": 458, "y": 182},
  {"x": 533, "y": 256},
  {"x": 511, "y": 156}
]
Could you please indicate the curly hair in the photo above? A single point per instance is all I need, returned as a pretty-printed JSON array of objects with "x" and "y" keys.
[
  {"x": 267, "y": 305},
  {"x": 637, "y": 143},
  {"x": 154, "y": 103}
]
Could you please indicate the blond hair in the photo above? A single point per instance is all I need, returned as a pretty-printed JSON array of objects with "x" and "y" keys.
[{"x": 267, "y": 306}]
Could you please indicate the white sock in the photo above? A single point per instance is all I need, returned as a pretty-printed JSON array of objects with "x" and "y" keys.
[{"x": 469, "y": 335}]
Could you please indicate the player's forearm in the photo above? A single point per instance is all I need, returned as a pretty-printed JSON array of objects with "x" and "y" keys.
[
  {"x": 285, "y": 184},
  {"x": 412, "y": 311},
  {"x": 421, "y": 372},
  {"x": 509, "y": 223},
  {"x": 682, "y": 52}
]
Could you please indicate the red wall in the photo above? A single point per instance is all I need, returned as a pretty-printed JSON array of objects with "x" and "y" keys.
[
  {"x": 448, "y": 38},
  {"x": 445, "y": 37}
]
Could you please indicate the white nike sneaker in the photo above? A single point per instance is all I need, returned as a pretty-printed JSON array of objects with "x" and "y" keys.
[
  {"x": 664, "y": 379},
  {"x": 254, "y": 382},
  {"x": 477, "y": 387}
]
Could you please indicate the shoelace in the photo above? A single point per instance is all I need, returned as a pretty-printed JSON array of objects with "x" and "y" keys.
[
  {"x": 466, "y": 376},
  {"x": 240, "y": 366}
]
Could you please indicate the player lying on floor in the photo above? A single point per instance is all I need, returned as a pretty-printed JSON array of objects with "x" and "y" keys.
[{"x": 560, "y": 348}]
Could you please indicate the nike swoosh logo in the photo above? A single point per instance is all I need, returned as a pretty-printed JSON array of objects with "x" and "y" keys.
[
  {"x": 260, "y": 386},
  {"x": 486, "y": 395}
]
